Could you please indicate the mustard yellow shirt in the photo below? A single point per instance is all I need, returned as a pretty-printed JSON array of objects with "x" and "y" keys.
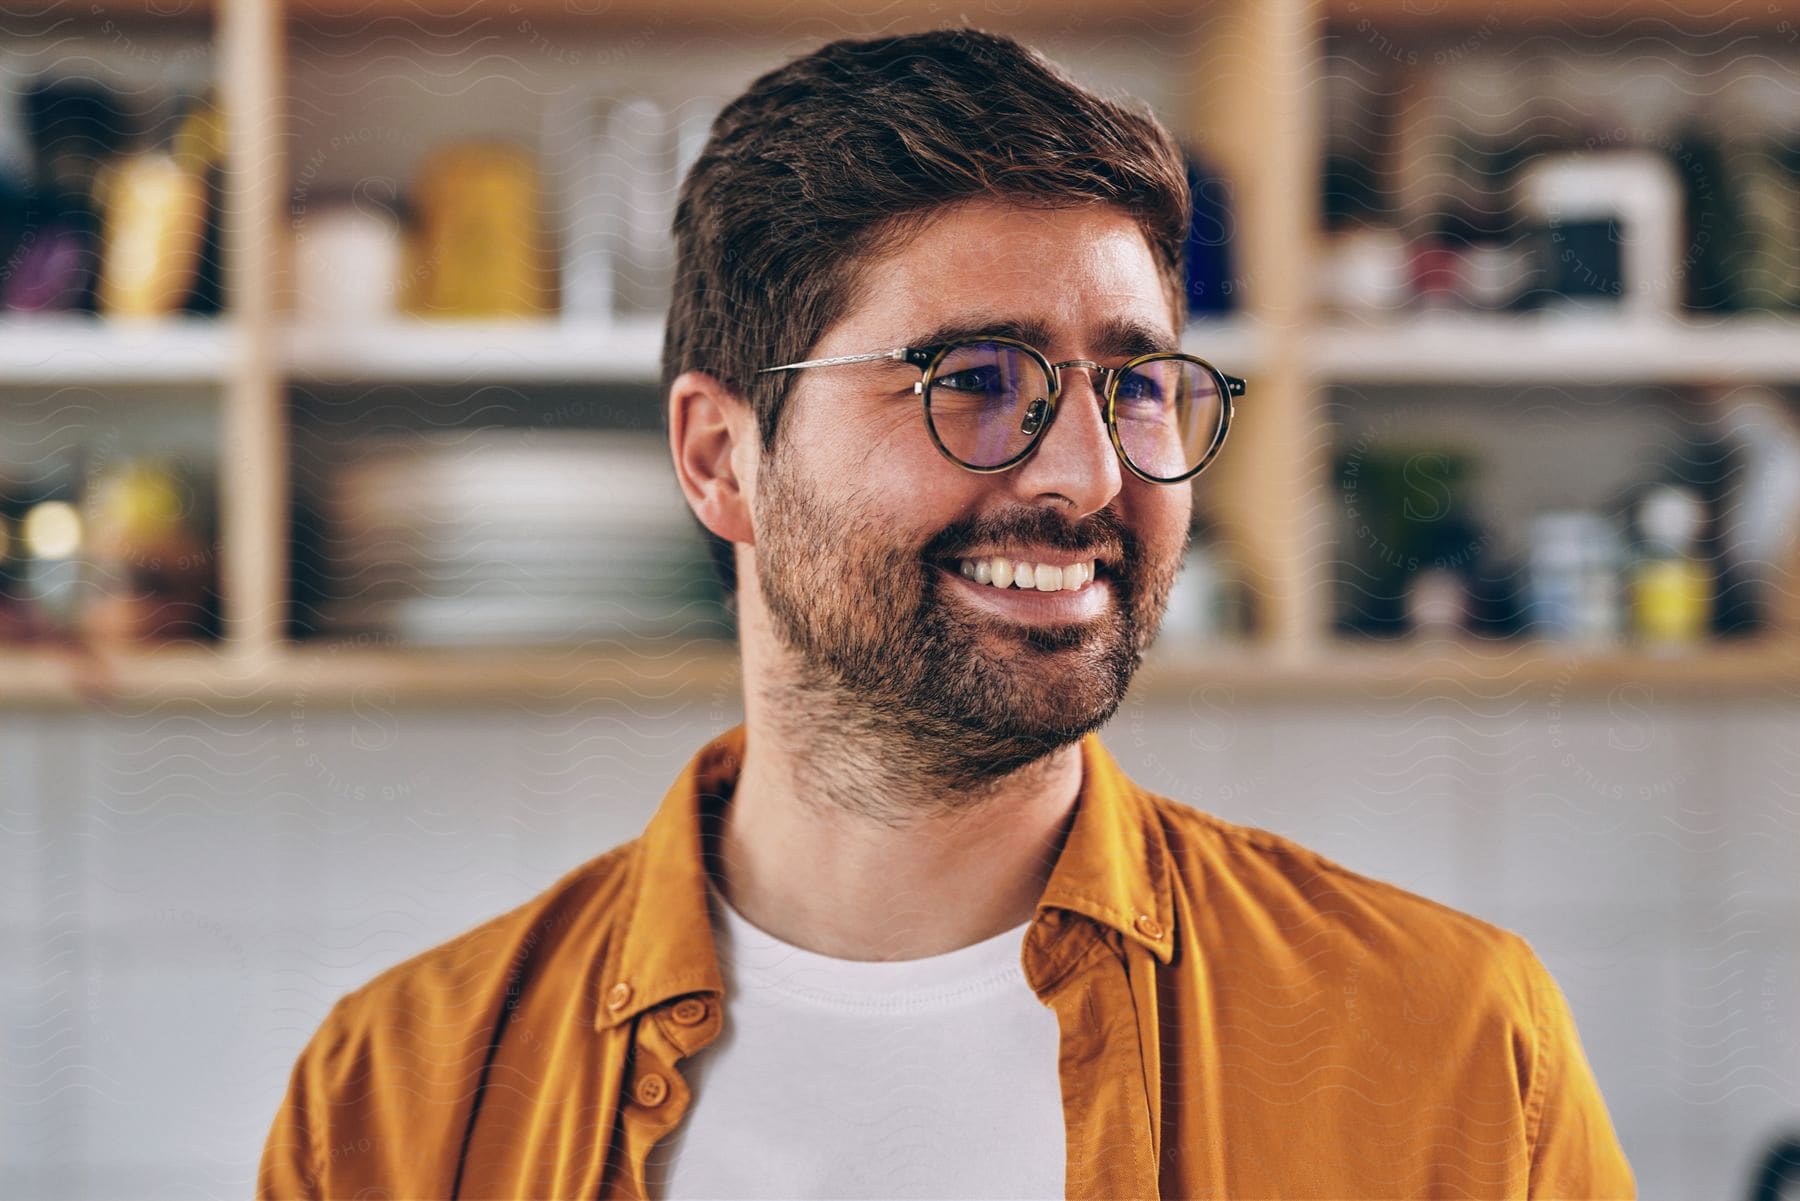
[{"x": 1240, "y": 1017}]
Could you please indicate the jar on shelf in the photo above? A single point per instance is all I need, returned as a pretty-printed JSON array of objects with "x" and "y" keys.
[
  {"x": 1576, "y": 562},
  {"x": 1671, "y": 589}
]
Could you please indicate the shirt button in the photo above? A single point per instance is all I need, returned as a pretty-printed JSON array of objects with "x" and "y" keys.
[
  {"x": 1149, "y": 927},
  {"x": 689, "y": 1011},
  {"x": 652, "y": 1090},
  {"x": 618, "y": 995}
]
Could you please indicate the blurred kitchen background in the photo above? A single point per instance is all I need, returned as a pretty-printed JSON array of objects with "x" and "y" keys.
[{"x": 346, "y": 598}]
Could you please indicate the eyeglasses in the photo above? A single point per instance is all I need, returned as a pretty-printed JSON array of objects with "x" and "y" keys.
[{"x": 988, "y": 402}]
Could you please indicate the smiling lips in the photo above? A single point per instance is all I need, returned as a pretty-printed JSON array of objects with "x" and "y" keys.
[{"x": 1000, "y": 572}]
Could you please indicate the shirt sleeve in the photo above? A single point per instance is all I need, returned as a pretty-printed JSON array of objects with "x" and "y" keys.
[
  {"x": 291, "y": 1166},
  {"x": 1575, "y": 1152}
]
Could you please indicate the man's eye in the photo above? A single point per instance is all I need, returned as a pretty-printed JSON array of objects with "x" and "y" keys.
[
  {"x": 1138, "y": 388},
  {"x": 969, "y": 379}
]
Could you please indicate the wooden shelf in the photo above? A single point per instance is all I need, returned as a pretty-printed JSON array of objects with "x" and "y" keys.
[
  {"x": 69, "y": 18},
  {"x": 628, "y": 351},
  {"x": 1713, "y": 16},
  {"x": 336, "y": 674},
  {"x": 51, "y": 350},
  {"x": 1439, "y": 348},
  {"x": 708, "y": 672},
  {"x": 1474, "y": 669},
  {"x": 1237, "y": 345},
  {"x": 1559, "y": 349},
  {"x": 476, "y": 351}
]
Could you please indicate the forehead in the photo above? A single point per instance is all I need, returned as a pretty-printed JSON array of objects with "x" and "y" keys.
[{"x": 1047, "y": 276}]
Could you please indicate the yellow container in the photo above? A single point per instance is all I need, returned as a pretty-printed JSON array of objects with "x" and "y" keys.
[
  {"x": 476, "y": 247},
  {"x": 1671, "y": 602},
  {"x": 155, "y": 226}
]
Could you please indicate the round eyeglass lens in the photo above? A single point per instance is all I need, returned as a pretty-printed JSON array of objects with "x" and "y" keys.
[
  {"x": 1169, "y": 414},
  {"x": 986, "y": 402}
]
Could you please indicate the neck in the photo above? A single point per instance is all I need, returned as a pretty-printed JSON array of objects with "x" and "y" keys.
[{"x": 838, "y": 839}]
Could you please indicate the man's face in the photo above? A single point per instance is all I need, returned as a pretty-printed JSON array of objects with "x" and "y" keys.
[{"x": 861, "y": 523}]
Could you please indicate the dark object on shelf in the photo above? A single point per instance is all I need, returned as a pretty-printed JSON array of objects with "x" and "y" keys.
[
  {"x": 1352, "y": 194},
  {"x": 52, "y": 269},
  {"x": 15, "y": 221},
  {"x": 1777, "y": 1177},
  {"x": 1581, "y": 259},
  {"x": 1742, "y": 192},
  {"x": 208, "y": 293},
  {"x": 201, "y": 143},
  {"x": 1210, "y": 287},
  {"x": 1782, "y": 212},
  {"x": 1759, "y": 509},
  {"x": 1498, "y": 588},
  {"x": 1406, "y": 513},
  {"x": 75, "y": 127},
  {"x": 1714, "y": 220},
  {"x": 1609, "y": 228},
  {"x": 1765, "y": 173}
]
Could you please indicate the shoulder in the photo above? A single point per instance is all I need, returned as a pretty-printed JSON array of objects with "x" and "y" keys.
[
  {"x": 381, "y": 1093},
  {"x": 1409, "y": 994},
  {"x": 1262, "y": 889},
  {"x": 508, "y": 942},
  {"x": 441, "y": 984}
]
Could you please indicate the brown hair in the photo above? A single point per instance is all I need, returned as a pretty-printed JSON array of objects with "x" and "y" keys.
[{"x": 854, "y": 147}]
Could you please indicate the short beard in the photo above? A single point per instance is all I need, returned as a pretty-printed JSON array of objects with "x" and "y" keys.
[{"x": 887, "y": 660}]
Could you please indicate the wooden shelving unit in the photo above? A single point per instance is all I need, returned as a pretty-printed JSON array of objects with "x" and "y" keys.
[
  {"x": 336, "y": 675},
  {"x": 64, "y": 350},
  {"x": 1250, "y": 98},
  {"x": 515, "y": 352},
  {"x": 1556, "y": 15},
  {"x": 1536, "y": 349}
]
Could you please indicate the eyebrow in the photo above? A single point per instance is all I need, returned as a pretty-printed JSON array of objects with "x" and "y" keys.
[{"x": 1118, "y": 337}]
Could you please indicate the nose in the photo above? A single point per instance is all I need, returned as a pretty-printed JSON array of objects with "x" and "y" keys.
[{"x": 1074, "y": 462}]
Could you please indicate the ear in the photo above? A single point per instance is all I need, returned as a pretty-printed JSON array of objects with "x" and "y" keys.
[{"x": 712, "y": 435}]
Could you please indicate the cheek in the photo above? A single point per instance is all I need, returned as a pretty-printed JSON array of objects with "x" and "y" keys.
[
  {"x": 1162, "y": 515},
  {"x": 1180, "y": 516},
  {"x": 904, "y": 500},
  {"x": 890, "y": 453},
  {"x": 886, "y": 438}
]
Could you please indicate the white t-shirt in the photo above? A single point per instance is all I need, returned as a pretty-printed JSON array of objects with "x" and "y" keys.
[{"x": 836, "y": 1078}]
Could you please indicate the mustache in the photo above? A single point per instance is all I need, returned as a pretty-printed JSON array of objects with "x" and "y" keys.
[{"x": 1101, "y": 535}]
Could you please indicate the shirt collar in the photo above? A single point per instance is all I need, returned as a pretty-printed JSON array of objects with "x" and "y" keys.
[
  {"x": 1113, "y": 869},
  {"x": 1114, "y": 866}
]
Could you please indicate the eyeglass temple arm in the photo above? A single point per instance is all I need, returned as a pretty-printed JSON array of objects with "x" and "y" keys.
[
  {"x": 1235, "y": 384},
  {"x": 898, "y": 352}
]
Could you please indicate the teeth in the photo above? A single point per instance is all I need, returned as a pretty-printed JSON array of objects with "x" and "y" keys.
[{"x": 1000, "y": 572}]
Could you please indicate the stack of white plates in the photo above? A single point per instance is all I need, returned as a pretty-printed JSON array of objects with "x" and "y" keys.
[{"x": 470, "y": 537}]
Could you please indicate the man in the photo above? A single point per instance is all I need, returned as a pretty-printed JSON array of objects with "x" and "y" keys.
[{"x": 908, "y": 931}]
